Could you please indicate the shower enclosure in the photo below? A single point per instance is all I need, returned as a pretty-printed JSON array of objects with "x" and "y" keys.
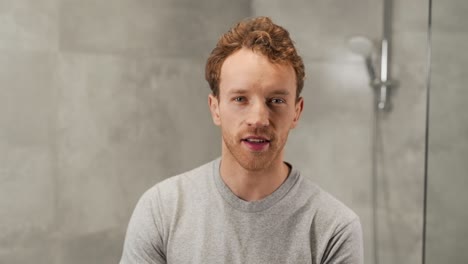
[{"x": 99, "y": 101}]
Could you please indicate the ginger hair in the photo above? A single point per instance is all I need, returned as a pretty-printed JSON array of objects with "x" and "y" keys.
[{"x": 261, "y": 35}]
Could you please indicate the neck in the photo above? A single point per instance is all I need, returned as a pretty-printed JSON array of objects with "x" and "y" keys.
[{"x": 252, "y": 185}]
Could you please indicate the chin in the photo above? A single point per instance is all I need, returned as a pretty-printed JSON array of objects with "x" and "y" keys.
[{"x": 253, "y": 161}]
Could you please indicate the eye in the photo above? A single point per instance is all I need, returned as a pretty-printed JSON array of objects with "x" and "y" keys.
[
  {"x": 239, "y": 99},
  {"x": 277, "y": 101}
]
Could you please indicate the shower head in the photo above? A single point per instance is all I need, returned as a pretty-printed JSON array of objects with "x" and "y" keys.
[
  {"x": 364, "y": 47},
  {"x": 361, "y": 45}
]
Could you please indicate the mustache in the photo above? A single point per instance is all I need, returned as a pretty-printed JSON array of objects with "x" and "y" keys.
[{"x": 258, "y": 132}]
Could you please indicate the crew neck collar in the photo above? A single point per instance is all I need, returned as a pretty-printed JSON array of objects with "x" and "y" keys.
[{"x": 253, "y": 206}]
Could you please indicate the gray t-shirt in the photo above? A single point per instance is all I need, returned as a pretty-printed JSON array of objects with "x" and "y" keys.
[{"x": 195, "y": 218}]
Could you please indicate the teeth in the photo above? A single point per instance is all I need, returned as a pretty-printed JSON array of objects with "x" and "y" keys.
[{"x": 255, "y": 140}]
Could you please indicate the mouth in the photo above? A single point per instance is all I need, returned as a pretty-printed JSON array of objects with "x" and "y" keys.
[{"x": 255, "y": 143}]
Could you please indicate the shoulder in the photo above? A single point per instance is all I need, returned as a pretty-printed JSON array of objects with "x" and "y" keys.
[
  {"x": 336, "y": 228},
  {"x": 172, "y": 188},
  {"x": 328, "y": 209},
  {"x": 149, "y": 227}
]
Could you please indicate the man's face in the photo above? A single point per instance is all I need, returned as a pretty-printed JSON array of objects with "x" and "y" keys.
[{"x": 255, "y": 109}]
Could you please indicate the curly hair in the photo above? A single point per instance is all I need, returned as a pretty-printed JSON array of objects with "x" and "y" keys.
[{"x": 261, "y": 35}]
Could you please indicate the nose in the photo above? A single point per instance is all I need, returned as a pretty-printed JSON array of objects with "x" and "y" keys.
[{"x": 258, "y": 116}]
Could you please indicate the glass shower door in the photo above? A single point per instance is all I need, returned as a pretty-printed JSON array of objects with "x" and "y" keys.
[{"x": 447, "y": 163}]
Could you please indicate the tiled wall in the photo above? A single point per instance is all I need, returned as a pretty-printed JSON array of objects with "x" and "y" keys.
[
  {"x": 448, "y": 135},
  {"x": 99, "y": 101}
]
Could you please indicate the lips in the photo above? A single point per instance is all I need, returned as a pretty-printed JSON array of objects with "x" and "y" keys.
[
  {"x": 256, "y": 140},
  {"x": 256, "y": 143}
]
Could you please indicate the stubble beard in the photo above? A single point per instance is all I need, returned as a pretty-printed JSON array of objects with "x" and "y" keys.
[{"x": 251, "y": 160}]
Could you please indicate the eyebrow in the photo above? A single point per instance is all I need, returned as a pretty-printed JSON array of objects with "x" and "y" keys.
[
  {"x": 238, "y": 91},
  {"x": 274, "y": 92},
  {"x": 280, "y": 92}
]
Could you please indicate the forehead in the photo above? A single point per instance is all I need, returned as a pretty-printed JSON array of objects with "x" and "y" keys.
[{"x": 249, "y": 70}]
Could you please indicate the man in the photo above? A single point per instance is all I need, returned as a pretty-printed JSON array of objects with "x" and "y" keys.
[{"x": 249, "y": 206}]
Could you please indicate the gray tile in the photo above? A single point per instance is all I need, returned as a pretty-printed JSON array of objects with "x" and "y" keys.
[
  {"x": 449, "y": 16},
  {"x": 446, "y": 212},
  {"x": 447, "y": 47},
  {"x": 27, "y": 98},
  {"x": 29, "y": 25},
  {"x": 410, "y": 48},
  {"x": 337, "y": 88},
  {"x": 100, "y": 247},
  {"x": 27, "y": 132},
  {"x": 350, "y": 17},
  {"x": 125, "y": 125},
  {"x": 400, "y": 239},
  {"x": 401, "y": 167},
  {"x": 27, "y": 187},
  {"x": 145, "y": 28},
  {"x": 320, "y": 28},
  {"x": 410, "y": 16},
  {"x": 34, "y": 248},
  {"x": 337, "y": 48},
  {"x": 400, "y": 185},
  {"x": 408, "y": 96},
  {"x": 301, "y": 18},
  {"x": 448, "y": 149},
  {"x": 400, "y": 205},
  {"x": 448, "y": 107}
]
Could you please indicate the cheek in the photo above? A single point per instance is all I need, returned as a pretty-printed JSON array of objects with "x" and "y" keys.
[
  {"x": 284, "y": 123},
  {"x": 229, "y": 115},
  {"x": 283, "y": 118},
  {"x": 228, "y": 121},
  {"x": 284, "y": 131}
]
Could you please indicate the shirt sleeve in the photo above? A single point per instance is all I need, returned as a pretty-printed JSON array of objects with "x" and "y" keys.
[
  {"x": 143, "y": 241},
  {"x": 346, "y": 246}
]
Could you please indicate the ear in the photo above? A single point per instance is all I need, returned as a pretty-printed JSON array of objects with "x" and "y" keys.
[
  {"x": 213, "y": 103},
  {"x": 299, "y": 107}
]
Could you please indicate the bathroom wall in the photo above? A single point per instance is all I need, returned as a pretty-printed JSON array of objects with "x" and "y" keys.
[
  {"x": 333, "y": 143},
  {"x": 447, "y": 197},
  {"x": 98, "y": 102}
]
